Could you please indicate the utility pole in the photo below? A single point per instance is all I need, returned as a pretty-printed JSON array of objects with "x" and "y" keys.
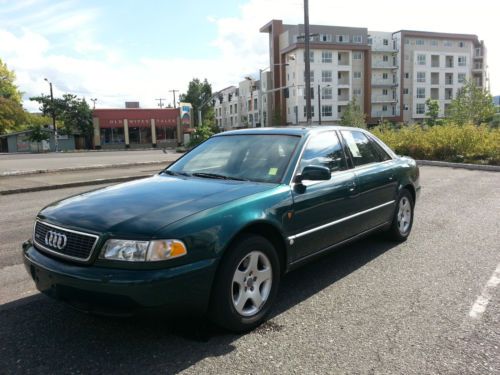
[
  {"x": 160, "y": 100},
  {"x": 54, "y": 126},
  {"x": 307, "y": 62},
  {"x": 173, "y": 92},
  {"x": 319, "y": 104},
  {"x": 94, "y": 100}
]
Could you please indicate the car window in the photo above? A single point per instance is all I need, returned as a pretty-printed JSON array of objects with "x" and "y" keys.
[
  {"x": 324, "y": 150},
  {"x": 258, "y": 157},
  {"x": 361, "y": 148},
  {"x": 381, "y": 152}
]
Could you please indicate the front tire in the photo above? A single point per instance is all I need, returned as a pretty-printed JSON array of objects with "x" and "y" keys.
[
  {"x": 402, "y": 221},
  {"x": 246, "y": 284}
]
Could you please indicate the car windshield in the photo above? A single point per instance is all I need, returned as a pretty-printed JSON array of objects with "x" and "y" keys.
[{"x": 261, "y": 158}]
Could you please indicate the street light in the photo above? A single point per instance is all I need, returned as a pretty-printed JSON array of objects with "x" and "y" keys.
[
  {"x": 56, "y": 142},
  {"x": 94, "y": 100}
]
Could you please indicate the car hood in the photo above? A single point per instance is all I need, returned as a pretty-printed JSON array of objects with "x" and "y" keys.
[{"x": 142, "y": 207}]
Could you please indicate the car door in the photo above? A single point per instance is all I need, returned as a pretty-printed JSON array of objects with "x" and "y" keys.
[
  {"x": 320, "y": 207},
  {"x": 375, "y": 179}
]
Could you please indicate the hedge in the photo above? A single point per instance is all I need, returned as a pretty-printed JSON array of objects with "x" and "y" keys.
[{"x": 449, "y": 142}]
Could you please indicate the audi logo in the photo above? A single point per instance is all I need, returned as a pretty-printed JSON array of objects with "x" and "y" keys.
[{"x": 56, "y": 240}]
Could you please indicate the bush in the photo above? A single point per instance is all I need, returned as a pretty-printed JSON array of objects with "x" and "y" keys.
[{"x": 449, "y": 142}]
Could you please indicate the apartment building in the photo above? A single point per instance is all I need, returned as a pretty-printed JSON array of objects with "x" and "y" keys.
[
  {"x": 240, "y": 107},
  {"x": 390, "y": 74}
]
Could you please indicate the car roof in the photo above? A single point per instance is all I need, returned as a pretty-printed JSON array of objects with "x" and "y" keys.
[{"x": 287, "y": 130}]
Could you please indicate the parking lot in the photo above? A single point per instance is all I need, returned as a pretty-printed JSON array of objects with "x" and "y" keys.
[{"x": 373, "y": 307}]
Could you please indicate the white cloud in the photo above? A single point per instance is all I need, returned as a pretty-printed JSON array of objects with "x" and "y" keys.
[{"x": 101, "y": 71}]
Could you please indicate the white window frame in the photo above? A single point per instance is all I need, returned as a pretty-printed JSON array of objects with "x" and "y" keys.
[
  {"x": 326, "y": 76},
  {"x": 420, "y": 92},
  {"x": 326, "y": 57},
  {"x": 421, "y": 59},
  {"x": 421, "y": 77}
]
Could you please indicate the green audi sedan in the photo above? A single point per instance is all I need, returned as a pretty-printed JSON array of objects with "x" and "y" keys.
[{"x": 214, "y": 232}]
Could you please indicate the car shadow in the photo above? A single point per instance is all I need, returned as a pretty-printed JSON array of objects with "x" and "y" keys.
[{"x": 40, "y": 335}]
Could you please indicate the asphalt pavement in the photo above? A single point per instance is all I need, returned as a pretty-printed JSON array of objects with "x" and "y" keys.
[
  {"x": 373, "y": 307},
  {"x": 23, "y": 163}
]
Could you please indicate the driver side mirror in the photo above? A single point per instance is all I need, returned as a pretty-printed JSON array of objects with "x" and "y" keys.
[{"x": 313, "y": 173}]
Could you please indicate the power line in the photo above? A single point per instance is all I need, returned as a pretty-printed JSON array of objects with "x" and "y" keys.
[{"x": 160, "y": 100}]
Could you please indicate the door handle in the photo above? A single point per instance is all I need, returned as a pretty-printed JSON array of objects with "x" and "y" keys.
[
  {"x": 352, "y": 186},
  {"x": 391, "y": 178}
]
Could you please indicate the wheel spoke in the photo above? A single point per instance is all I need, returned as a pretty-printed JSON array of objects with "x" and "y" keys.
[
  {"x": 239, "y": 304},
  {"x": 263, "y": 275},
  {"x": 257, "y": 298},
  {"x": 238, "y": 277},
  {"x": 254, "y": 261}
]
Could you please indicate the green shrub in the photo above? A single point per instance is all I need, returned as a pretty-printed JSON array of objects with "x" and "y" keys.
[{"x": 449, "y": 142}]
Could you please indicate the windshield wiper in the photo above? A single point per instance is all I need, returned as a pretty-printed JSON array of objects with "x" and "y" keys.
[
  {"x": 172, "y": 173},
  {"x": 219, "y": 176}
]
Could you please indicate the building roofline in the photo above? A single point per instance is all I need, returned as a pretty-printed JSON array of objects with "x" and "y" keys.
[{"x": 434, "y": 34}]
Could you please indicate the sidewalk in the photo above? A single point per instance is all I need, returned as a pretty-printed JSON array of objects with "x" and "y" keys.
[{"x": 64, "y": 179}]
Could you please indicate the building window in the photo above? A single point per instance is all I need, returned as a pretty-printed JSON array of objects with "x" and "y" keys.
[
  {"x": 434, "y": 42},
  {"x": 384, "y": 92},
  {"x": 356, "y": 92},
  {"x": 385, "y": 58},
  {"x": 420, "y": 92},
  {"x": 419, "y": 42},
  {"x": 236, "y": 108},
  {"x": 461, "y": 77},
  {"x": 326, "y": 93},
  {"x": 407, "y": 41},
  {"x": 386, "y": 42},
  {"x": 405, "y": 91},
  {"x": 384, "y": 108},
  {"x": 311, "y": 76},
  {"x": 326, "y": 37},
  {"x": 407, "y": 75},
  {"x": 461, "y": 44},
  {"x": 326, "y": 56},
  {"x": 326, "y": 76},
  {"x": 305, "y": 111},
  {"x": 462, "y": 60},
  {"x": 421, "y": 59},
  {"x": 357, "y": 39},
  {"x": 385, "y": 76},
  {"x": 421, "y": 77},
  {"x": 311, "y": 56},
  {"x": 255, "y": 107},
  {"x": 356, "y": 55},
  {"x": 326, "y": 111},
  {"x": 357, "y": 75},
  {"x": 448, "y": 43},
  {"x": 420, "y": 108},
  {"x": 370, "y": 41},
  {"x": 343, "y": 38}
]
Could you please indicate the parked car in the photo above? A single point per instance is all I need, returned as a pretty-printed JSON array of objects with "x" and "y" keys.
[{"x": 215, "y": 231}]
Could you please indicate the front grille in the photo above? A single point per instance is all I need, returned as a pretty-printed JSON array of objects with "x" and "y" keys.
[{"x": 77, "y": 246}]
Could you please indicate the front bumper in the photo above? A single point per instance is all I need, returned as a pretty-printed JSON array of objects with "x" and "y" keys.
[{"x": 122, "y": 292}]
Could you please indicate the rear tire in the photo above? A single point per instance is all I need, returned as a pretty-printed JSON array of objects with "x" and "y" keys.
[
  {"x": 246, "y": 284},
  {"x": 402, "y": 221}
]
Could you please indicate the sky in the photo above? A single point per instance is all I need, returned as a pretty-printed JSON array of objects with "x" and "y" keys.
[{"x": 124, "y": 50}]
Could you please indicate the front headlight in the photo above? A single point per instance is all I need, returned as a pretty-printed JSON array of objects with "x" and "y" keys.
[{"x": 142, "y": 251}]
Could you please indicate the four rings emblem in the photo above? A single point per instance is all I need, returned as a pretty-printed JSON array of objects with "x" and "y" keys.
[{"x": 55, "y": 239}]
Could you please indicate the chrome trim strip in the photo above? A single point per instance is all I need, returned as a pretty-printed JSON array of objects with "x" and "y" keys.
[
  {"x": 292, "y": 238},
  {"x": 66, "y": 230}
]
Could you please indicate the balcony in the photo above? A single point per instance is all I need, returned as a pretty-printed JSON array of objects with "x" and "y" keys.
[
  {"x": 384, "y": 83},
  {"x": 383, "y": 99},
  {"x": 385, "y": 49},
  {"x": 384, "y": 65},
  {"x": 383, "y": 114},
  {"x": 477, "y": 67}
]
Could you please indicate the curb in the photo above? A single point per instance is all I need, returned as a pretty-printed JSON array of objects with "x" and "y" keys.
[
  {"x": 473, "y": 167},
  {"x": 87, "y": 167},
  {"x": 99, "y": 181}
]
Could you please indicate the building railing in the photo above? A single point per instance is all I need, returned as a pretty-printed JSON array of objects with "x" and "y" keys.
[
  {"x": 383, "y": 99},
  {"x": 343, "y": 81},
  {"x": 383, "y": 114},
  {"x": 384, "y": 65}
]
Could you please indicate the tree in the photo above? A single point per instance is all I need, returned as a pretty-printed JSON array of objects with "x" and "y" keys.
[
  {"x": 353, "y": 115},
  {"x": 472, "y": 105},
  {"x": 198, "y": 94},
  {"x": 12, "y": 114},
  {"x": 38, "y": 134},
  {"x": 432, "y": 111},
  {"x": 74, "y": 114}
]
